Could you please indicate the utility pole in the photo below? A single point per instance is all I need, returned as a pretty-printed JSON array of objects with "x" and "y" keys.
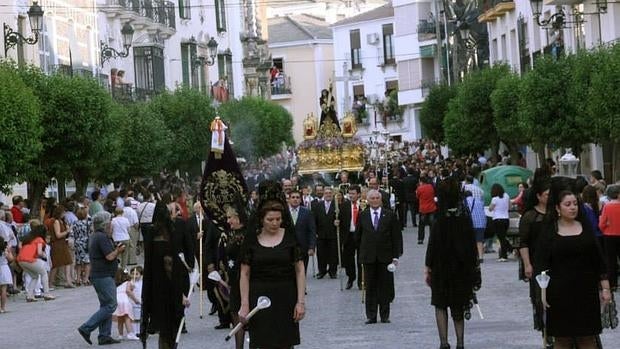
[{"x": 439, "y": 42}]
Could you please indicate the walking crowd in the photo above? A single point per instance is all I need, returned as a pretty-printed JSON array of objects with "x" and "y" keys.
[{"x": 127, "y": 243}]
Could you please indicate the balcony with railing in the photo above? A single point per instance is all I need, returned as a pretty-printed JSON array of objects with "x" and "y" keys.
[
  {"x": 494, "y": 9},
  {"x": 127, "y": 93},
  {"x": 281, "y": 87},
  {"x": 426, "y": 30},
  {"x": 144, "y": 14}
]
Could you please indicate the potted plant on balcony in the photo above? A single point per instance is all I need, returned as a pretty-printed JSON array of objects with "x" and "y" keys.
[{"x": 389, "y": 108}]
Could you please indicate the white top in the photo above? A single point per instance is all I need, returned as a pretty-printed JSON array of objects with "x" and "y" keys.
[
  {"x": 131, "y": 215},
  {"x": 145, "y": 212},
  {"x": 501, "y": 206},
  {"x": 120, "y": 229}
]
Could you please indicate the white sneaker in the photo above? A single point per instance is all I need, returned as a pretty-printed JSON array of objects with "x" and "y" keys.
[{"x": 132, "y": 337}]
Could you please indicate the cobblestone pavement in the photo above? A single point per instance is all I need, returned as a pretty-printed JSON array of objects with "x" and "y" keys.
[{"x": 334, "y": 319}]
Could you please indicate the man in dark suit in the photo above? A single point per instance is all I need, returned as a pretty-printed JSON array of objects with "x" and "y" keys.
[
  {"x": 305, "y": 228},
  {"x": 348, "y": 219},
  {"x": 325, "y": 216},
  {"x": 379, "y": 235},
  {"x": 410, "y": 183}
]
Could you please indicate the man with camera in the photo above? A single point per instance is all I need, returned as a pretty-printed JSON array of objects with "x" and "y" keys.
[{"x": 104, "y": 263}]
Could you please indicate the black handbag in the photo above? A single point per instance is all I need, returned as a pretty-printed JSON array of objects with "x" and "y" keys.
[{"x": 489, "y": 231}]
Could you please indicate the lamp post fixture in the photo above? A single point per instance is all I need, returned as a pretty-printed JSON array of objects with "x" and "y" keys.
[
  {"x": 555, "y": 21},
  {"x": 212, "y": 47},
  {"x": 108, "y": 52},
  {"x": 12, "y": 38}
]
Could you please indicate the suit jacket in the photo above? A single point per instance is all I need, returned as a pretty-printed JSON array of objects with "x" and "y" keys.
[
  {"x": 382, "y": 245},
  {"x": 345, "y": 219},
  {"x": 385, "y": 199},
  {"x": 211, "y": 240},
  {"x": 410, "y": 184},
  {"x": 325, "y": 227},
  {"x": 305, "y": 229}
]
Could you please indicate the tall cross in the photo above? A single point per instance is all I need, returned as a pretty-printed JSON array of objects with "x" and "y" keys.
[{"x": 346, "y": 78}]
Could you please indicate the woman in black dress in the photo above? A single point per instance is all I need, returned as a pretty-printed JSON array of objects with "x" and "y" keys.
[
  {"x": 569, "y": 251},
  {"x": 531, "y": 226},
  {"x": 166, "y": 279},
  {"x": 230, "y": 250},
  {"x": 272, "y": 265},
  {"x": 452, "y": 268}
]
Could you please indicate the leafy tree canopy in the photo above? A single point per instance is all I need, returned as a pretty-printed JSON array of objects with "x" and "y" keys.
[
  {"x": 21, "y": 129},
  {"x": 434, "y": 110}
]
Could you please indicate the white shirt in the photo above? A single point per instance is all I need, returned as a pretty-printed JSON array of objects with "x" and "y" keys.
[
  {"x": 352, "y": 227},
  {"x": 145, "y": 212},
  {"x": 131, "y": 215},
  {"x": 120, "y": 229},
  {"x": 501, "y": 206}
]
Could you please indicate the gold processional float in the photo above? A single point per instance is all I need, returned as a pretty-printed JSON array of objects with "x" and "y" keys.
[{"x": 329, "y": 149}]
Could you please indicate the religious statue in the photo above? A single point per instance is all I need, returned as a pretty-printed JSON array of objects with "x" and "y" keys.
[
  {"x": 328, "y": 106},
  {"x": 310, "y": 127},
  {"x": 218, "y": 135}
]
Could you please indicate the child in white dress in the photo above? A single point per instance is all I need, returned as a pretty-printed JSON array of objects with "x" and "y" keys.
[
  {"x": 124, "y": 313},
  {"x": 136, "y": 275},
  {"x": 6, "y": 278}
]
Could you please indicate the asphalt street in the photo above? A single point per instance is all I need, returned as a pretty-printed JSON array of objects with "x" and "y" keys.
[{"x": 334, "y": 319}]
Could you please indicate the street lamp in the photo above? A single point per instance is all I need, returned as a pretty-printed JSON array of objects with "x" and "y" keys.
[
  {"x": 108, "y": 53},
  {"x": 555, "y": 21},
  {"x": 212, "y": 47},
  {"x": 12, "y": 38}
]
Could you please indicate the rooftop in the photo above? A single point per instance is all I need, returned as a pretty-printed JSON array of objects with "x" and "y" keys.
[
  {"x": 298, "y": 28},
  {"x": 385, "y": 11}
]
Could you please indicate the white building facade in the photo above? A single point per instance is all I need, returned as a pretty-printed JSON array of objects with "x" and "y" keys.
[
  {"x": 169, "y": 47},
  {"x": 518, "y": 38},
  {"x": 365, "y": 64},
  {"x": 415, "y": 43}
]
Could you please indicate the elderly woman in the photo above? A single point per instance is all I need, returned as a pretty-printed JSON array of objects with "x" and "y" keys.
[
  {"x": 272, "y": 265},
  {"x": 452, "y": 270}
]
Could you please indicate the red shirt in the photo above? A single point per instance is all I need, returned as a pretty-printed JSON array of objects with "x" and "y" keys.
[
  {"x": 28, "y": 252},
  {"x": 18, "y": 216},
  {"x": 609, "y": 223},
  {"x": 426, "y": 198}
]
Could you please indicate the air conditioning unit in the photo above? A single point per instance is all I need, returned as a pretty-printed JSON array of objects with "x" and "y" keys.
[{"x": 372, "y": 39}]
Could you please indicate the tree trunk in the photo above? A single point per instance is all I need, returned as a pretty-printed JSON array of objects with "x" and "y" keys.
[
  {"x": 80, "y": 185},
  {"x": 36, "y": 190},
  {"x": 62, "y": 189},
  {"x": 514, "y": 154},
  {"x": 540, "y": 151},
  {"x": 615, "y": 162}
]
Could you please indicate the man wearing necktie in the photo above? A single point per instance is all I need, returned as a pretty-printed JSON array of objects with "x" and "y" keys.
[
  {"x": 349, "y": 214},
  {"x": 305, "y": 228},
  {"x": 380, "y": 240},
  {"x": 325, "y": 219}
]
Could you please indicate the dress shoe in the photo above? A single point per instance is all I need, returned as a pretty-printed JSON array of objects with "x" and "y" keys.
[
  {"x": 85, "y": 335},
  {"x": 222, "y": 326},
  {"x": 371, "y": 321},
  {"x": 385, "y": 321},
  {"x": 184, "y": 329},
  {"x": 320, "y": 275},
  {"x": 213, "y": 310},
  {"x": 420, "y": 242},
  {"x": 333, "y": 276},
  {"x": 349, "y": 284},
  {"x": 108, "y": 341}
]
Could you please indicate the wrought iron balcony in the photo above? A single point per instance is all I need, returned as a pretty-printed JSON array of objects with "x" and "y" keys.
[
  {"x": 426, "y": 30},
  {"x": 126, "y": 93},
  {"x": 144, "y": 13}
]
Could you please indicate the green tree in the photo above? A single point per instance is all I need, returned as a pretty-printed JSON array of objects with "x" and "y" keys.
[
  {"x": 259, "y": 127},
  {"x": 468, "y": 124},
  {"x": 546, "y": 106},
  {"x": 146, "y": 144},
  {"x": 511, "y": 130},
  {"x": 434, "y": 111},
  {"x": 603, "y": 104},
  {"x": 20, "y": 138},
  {"x": 187, "y": 113}
]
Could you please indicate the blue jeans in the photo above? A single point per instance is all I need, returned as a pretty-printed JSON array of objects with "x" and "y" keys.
[{"x": 106, "y": 292}]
